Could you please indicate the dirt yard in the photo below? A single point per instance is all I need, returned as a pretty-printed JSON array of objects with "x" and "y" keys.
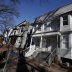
[{"x": 57, "y": 68}]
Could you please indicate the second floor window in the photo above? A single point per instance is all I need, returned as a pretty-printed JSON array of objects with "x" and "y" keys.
[{"x": 65, "y": 20}]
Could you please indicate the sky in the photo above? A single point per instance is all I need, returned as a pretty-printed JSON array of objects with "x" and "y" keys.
[{"x": 30, "y": 10}]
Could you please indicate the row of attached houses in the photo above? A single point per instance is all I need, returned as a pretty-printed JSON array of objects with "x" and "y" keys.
[{"x": 51, "y": 34}]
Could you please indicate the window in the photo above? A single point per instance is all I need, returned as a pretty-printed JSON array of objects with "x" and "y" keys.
[
  {"x": 14, "y": 32},
  {"x": 44, "y": 43},
  {"x": 66, "y": 41},
  {"x": 39, "y": 28},
  {"x": 37, "y": 42},
  {"x": 65, "y": 20},
  {"x": 22, "y": 29},
  {"x": 47, "y": 25}
]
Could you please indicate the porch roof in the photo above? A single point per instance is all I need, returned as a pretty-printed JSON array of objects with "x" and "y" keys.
[{"x": 46, "y": 34}]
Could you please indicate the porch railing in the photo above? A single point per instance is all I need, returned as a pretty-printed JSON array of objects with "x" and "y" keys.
[{"x": 51, "y": 57}]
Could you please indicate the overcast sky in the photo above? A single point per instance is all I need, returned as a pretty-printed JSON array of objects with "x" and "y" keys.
[{"x": 30, "y": 10}]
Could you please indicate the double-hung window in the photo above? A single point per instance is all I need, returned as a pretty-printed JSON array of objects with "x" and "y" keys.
[
  {"x": 65, "y": 20},
  {"x": 66, "y": 41}
]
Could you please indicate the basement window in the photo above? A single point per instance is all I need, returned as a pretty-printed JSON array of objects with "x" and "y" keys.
[{"x": 65, "y": 20}]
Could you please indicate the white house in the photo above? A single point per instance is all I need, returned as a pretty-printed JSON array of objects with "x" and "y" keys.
[
  {"x": 19, "y": 36},
  {"x": 52, "y": 33}
]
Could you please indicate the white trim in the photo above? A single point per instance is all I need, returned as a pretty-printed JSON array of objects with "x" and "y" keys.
[{"x": 46, "y": 34}]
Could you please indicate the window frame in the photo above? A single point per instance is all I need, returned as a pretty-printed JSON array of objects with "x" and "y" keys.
[
  {"x": 66, "y": 41},
  {"x": 65, "y": 20}
]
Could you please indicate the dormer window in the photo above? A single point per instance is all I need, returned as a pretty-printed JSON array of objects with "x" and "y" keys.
[{"x": 65, "y": 20}]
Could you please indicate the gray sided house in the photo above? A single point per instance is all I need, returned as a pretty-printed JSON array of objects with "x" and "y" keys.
[{"x": 52, "y": 33}]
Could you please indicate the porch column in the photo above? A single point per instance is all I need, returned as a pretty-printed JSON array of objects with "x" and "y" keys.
[
  {"x": 41, "y": 42},
  {"x": 33, "y": 30},
  {"x": 31, "y": 40},
  {"x": 43, "y": 27},
  {"x": 70, "y": 35},
  {"x": 57, "y": 47},
  {"x": 61, "y": 45},
  {"x": 70, "y": 21},
  {"x": 61, "y": 23},
  {"x": 70, "y": 43},
  {"x": 61, "y": 41}
]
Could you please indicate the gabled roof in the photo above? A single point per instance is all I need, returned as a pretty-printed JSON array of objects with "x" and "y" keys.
[
  {"x": 52, "y": 14},
  {"x": 64, "y": 9},
  {"x": 24, "y": 23}
]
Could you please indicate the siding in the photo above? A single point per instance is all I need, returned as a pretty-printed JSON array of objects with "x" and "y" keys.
[{"x": 65, "y": 53}]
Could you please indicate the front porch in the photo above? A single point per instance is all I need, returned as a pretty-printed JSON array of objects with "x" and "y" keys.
[
  {"x": 46, "y": 47},
  {"x": 46, "y": 43}
]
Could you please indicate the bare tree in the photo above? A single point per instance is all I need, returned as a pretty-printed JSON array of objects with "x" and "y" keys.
[{"x": 8, "y": 9}]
